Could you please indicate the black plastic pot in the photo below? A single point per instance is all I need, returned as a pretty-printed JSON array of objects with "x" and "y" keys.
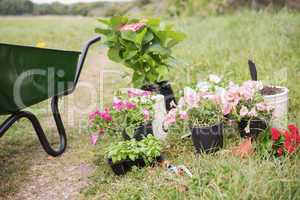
[
  {"x": 208, "y": 139},
  {"x": 164, "y": 88},
  {"x": 140, "y": 132},
  {"x": 256, "y": 127},
  {"x": 122, "y": 167}
]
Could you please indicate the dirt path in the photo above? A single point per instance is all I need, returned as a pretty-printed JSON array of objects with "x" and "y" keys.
[{"x": 65, "y": 176}]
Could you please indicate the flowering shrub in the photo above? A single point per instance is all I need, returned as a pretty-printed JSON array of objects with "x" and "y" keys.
[
  {"x": 126, "y": 113},
  {"x": 142, "y": 45},
  {"x": 281, "y": 142},
  {"x": 197, "y": 109}
]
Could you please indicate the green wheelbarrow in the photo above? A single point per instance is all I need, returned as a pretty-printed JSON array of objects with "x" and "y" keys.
[{"x": 29, "y": 75}]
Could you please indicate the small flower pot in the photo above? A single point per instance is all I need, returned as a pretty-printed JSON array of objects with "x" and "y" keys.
[
  {"x": 124, "y": 166},
  {"x": 277, "y": 97},
  {"x": 164, "y": 88},
  {"x": 208, "y": 139},
  {"x": 140, "y": 132},
  {"x": 256, "y": 126}
]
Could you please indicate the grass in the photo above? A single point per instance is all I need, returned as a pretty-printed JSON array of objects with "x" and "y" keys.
[{"x": 217, "y": 44}]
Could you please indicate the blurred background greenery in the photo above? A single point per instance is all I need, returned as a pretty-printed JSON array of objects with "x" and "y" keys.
[{"x": 168, "y": 8}]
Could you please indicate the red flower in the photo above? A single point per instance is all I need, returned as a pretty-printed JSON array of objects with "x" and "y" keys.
[
  {"x": 295, "y": 132},
  {"x": 279, "y": 152},
  {"x": 292, "y": 140},
  {"x": 275, "y": 134}
]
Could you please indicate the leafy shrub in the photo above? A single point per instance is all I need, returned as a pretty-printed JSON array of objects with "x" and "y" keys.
[
  {"x": 148, "y": 149},
  {"x": 141, "y": 45}
]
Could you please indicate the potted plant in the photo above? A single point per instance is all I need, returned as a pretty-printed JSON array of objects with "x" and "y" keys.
[
  {"x": 123, "y": 155},
  {"x": 145, "y": 47},
  {"x": 275, "y": 96},
  {"x": 202, "y": 112},
  {"x": 279, "y": 142},
  {"x": 247, "y": 107},
  {"x": 129, "y": 115}
]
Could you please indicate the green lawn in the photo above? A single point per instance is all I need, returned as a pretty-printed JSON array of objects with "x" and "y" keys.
[{"x": 217, "y": 44}]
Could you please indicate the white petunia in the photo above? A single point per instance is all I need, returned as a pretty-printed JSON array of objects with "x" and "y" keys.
[{"x": 214, "y": 78}]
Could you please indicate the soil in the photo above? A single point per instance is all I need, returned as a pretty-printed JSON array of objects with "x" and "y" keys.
[{"x": 271, "y": 90}]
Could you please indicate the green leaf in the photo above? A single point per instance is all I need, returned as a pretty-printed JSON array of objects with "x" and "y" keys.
[
  {"x": 104, "y": 21},
  {"x": 117, "y": 21},
  {"x": 128, "y": 35},
  {"x": 140, "y": 36},
  {"x": 162, "y": 70},
  {"x": 114, "y": 54},
  {"x": 103, "y": 31},
  {"x": 158, "y": 49},
  {"x": 153, "y": 22},
  {"x": 148, "y": 37},
  {"x": 138, "y": 79},
  {"x": 129, "y": 54}
]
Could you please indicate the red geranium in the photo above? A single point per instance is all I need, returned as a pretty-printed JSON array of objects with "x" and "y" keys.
[
  {"x": 285, "y": 140},
  {"x": 292, "y": 139},
  {"x": 275, "y": 134}
]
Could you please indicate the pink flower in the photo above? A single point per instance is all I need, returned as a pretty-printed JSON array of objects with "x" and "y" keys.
[
  {"x": 171, "y": 117},
  {"x": 106, "y": 116},
  {"x": 244, "y": 111},
  {"x": 227, "y": 108},
  {"x": 247, "y": 93},
  {"x": 94, "y": 138},
  {"x": 233, "y": 94},
  {"x": 133, "y": 92},
  {"x": 252, "y": 112},
  {"x": 118, "y": 104},
  {"x": 129, "y": 105},
  {"x": 183, "y": 115},
  {"x": 262, "y": 106},
  {"x": 146, "y": 114},
  {"x": 191, "y": 97},
  {"x": 132, "y": 27},
  {"x": 93, "y": 115}
]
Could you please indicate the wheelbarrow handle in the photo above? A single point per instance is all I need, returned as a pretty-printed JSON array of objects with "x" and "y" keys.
[{"x": 82, "y": 57}]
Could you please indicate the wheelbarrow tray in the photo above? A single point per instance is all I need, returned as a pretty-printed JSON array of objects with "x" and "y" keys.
[{"x": 29, "y": 75}]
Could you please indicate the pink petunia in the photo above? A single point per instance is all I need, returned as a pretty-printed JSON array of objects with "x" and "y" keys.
[
  {"x": 132, "y": 27},
  {"x": 252, "y": 112},
  {"x": 133, "y": 92},
  {"x": 227, "y": 108},
  {"x": 106, "y": 116},
  {"x": 93, "y": 115},
  {"x": 262, "y": 106},
  {"x": 171, "y": 117},
  {"x": 183, "y": 115},
  {"x": 94, "y": 138},
  {"x": 118, "y": 104},
  {"x": 244, "y": 111},
  {"x": 146, "y": 114},
  {"x": 191, "y": 97},
  {"x": 129, "y": 105}
]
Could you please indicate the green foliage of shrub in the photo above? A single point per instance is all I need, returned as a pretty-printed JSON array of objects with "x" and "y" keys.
[
  {"x": 145, "y": 50},
  {"x": 148, "y": 149}
]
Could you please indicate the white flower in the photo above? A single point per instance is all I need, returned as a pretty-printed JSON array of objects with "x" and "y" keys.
[
  {"x": 214, "y": 78},
  {"x": 203, "y": 86}
]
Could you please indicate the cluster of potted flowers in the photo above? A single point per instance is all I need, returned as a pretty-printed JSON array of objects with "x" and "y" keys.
[
  {"x": 205, "y": 108},
  {"x": 129, "y": 118}
]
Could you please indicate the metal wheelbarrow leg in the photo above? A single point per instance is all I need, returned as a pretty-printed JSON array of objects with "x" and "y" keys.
[{"x": 38, "y": 128}]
